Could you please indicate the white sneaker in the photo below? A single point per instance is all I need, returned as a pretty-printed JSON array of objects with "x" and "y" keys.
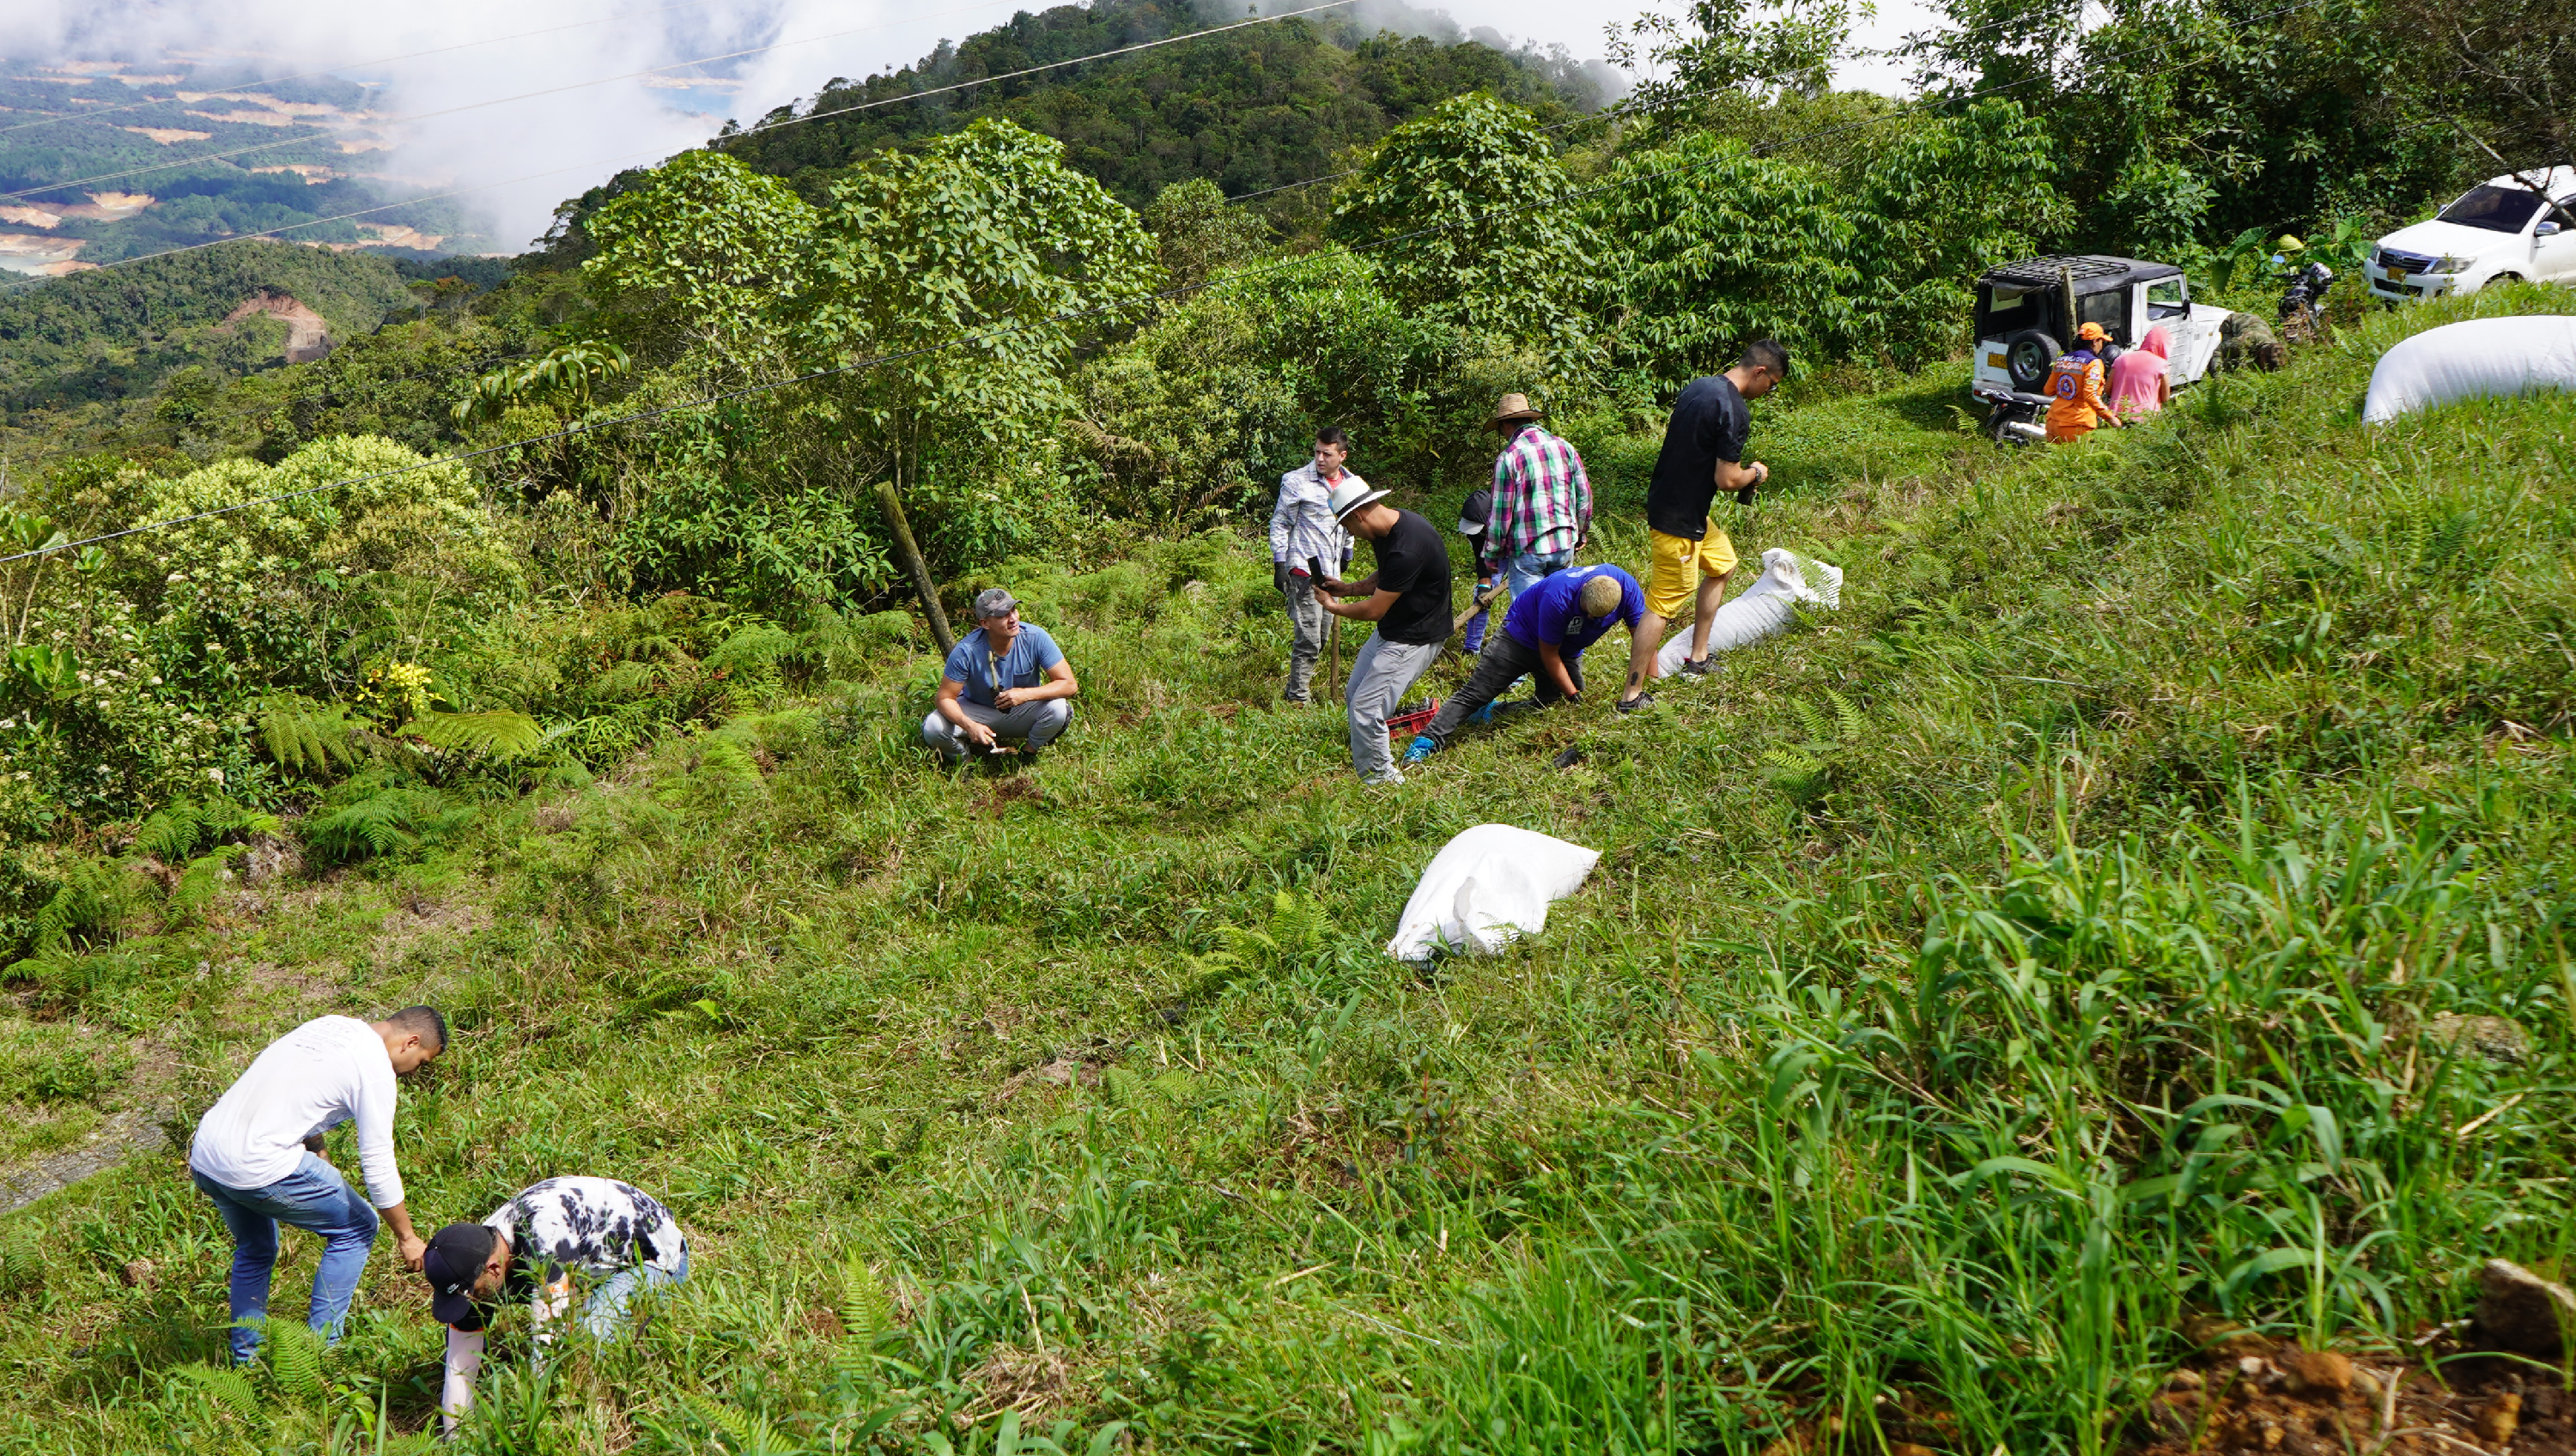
[{"x": 1389, "y": 776}]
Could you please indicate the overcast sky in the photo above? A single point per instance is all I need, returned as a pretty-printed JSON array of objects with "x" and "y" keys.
[{"x": 614, "y": 82}]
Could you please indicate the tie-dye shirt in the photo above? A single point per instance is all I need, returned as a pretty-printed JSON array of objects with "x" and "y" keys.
[{"x": 593, "y": 1226}]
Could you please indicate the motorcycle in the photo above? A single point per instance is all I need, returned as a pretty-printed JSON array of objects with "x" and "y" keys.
[{"x": 2303, "y": 306}]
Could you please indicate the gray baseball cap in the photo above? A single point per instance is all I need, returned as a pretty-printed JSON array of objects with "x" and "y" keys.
[{"x": 993, "y": 602}]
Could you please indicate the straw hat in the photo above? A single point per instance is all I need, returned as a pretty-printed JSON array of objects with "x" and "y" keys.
[{"x": 1513, "y": 408}]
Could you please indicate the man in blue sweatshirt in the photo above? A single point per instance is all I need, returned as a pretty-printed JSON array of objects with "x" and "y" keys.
[{"x": 1545, "y": 633}]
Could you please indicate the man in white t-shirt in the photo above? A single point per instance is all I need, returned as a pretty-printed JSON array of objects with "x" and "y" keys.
[{"x": 257, "y": 1154}]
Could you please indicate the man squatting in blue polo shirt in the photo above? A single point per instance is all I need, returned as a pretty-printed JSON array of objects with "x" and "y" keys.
[
  {"x": 1006, "y": 682},
  {"x": 1545, "y": 633}
]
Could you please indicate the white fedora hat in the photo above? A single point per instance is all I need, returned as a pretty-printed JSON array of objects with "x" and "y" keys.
[{"x": 1352, "y": 494}]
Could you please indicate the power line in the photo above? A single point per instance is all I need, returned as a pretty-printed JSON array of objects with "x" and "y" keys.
[
  {"x": 976, "y": 336},
  {"x": 354, "y": 65}
]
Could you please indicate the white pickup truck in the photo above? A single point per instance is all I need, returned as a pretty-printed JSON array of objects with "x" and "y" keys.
[
  {"x": 2028, "y": 312},
  {"x": 2522, "y": 225}
]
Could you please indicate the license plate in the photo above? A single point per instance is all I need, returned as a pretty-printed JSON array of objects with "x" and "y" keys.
[{"x": 1997, "y": 361}]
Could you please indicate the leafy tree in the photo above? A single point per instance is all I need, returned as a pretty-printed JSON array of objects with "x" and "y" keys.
[
  {"x": 1473, "y": 219},
  {"x": 1716, "y": 247},
  {"x": 1715, "y": 46},
  {"x": 1937, "y": 202},
  {"x": 2202, "y": 117},
  {"x": 706, "y": 253},
  {"x": 1196, "y": 231},
  {"x": 1248, "y": 110},
  {"x": 960, "y": 279}
]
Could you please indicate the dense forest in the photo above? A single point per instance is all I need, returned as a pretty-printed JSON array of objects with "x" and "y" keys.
[
  {"x": 1251, "y": 110},
  {"x": 118, "y": 332},
  {"x": 2048, "y": 1003},
  {"x": 246, "y": 156}
]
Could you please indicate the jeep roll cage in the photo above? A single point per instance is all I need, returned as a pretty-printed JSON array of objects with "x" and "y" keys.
[{"x": 2029, "y": 294}]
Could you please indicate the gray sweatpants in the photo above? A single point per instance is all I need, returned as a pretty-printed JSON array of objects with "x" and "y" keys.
[
  {"x": 1035, "y": 724},
  {"x": 1380, "y": 677},
  {"x": 1306, "y": 619}
]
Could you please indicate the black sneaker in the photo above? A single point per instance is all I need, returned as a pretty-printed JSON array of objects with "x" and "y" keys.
[
  {"x": 1697, "y": 667},
  {"x": 1638, "y": 703}
]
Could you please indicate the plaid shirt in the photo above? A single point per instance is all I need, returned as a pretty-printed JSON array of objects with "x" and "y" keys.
[{"x": 1542, "y": 499}]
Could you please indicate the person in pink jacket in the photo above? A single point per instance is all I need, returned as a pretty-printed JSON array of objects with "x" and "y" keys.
[{"x": 2138, "y": 378}]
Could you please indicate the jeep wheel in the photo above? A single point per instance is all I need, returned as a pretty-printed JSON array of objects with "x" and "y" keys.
[{"x": 2028, "y": 354}]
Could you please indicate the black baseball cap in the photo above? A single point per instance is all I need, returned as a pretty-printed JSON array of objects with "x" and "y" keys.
[
  {"x": 454, "y": 1261},
  {"x": 1477, "y": 513}
]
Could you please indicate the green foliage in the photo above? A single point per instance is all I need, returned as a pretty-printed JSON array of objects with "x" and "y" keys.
[
  {"x": 568, "y": 371},
  {"x": 498, "y": 733},
  {"x": 372, "y": 816},
  {"x": 1197, "y": 232},
  {"x": 227, "y": 1387},
  {"x": 1249, "y": 111},
  {"x": 181, "y": 828},
  {"x": 1472, "y": 219},
  {"x": 119, "y": 332},
  {"x": 707, "y": 251},
  {"x": 310, "y": 739}
]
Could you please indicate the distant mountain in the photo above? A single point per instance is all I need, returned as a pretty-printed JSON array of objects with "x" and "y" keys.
[
  {"x": 117, "y": 332},
  {"x": 1252, "y": 109},
  {"x": 250, "y": 156}
]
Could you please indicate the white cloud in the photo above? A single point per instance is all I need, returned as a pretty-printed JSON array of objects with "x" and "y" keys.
[{"x": 599, "y": 86}]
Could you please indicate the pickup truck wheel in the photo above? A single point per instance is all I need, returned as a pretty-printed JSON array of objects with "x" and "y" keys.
[
  {"x": 2500, "y": 278},
  {"x": 2028, "y": 354}
]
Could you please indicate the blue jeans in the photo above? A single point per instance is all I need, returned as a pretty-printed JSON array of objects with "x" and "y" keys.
[
  {"x": 1529, "y": 568},
  {"x": 1475, "y": 642},
  {"x": 605, "y": 1313},
  {"x": 316, "y": 1199}
]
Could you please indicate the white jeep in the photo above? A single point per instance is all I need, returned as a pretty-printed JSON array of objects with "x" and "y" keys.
[
  {"x": 2028, "y": 312},
  {"x": 2518, "y": 226}
]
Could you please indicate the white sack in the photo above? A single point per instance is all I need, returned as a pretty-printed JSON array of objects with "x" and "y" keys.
[
  {"x": 1764, "y": 610},
  {"x": 1486, "y": 888},
  {"x": 2483, "y": 357}
]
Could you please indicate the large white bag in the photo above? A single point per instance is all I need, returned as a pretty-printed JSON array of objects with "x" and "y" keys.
[
  {"x": 1764, "y": 610},
  {"x": 1487, "y": 887},
  {"x": 2492, "y": 356}
]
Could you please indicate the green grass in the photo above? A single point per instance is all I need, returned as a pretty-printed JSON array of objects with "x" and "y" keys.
[{"x": 2077, "y": 990}]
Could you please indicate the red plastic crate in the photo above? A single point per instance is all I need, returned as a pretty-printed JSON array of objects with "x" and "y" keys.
[{"x": 1412, "y": 720}]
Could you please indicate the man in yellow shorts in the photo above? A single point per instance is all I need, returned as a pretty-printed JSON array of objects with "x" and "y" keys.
[{"x": 1687, "y": 555}]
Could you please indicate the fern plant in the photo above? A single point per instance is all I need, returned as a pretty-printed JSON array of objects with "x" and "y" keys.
[
  {"x": 1804, "y": 769},
  {"x": 867, "y": 1316},
  {"x": 311, "y": 739},
  {"x": 183, "y": 827},
  {"x": 499, "y": 734},
  {"x": 386, "y": 819}
]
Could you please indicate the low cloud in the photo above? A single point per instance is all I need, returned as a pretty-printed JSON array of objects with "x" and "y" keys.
[{"x": 531, "y": 101}]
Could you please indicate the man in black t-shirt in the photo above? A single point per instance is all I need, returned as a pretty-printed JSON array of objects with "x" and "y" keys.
[
  {"x": 1408, "y": 598},
  {"x": 1688, "y": 556}
]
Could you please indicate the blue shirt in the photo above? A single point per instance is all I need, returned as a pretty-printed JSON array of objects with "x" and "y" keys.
[
  {"x": 1550, "y": 614},
  {"x": 970, "y": 663}
]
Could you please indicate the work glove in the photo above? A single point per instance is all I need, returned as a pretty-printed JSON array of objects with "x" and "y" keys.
[
  {"x": 1419, "y": 749},
  {"x": 1279, "y": 576}
]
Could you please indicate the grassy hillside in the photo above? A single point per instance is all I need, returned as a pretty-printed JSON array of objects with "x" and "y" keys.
[
  {"x": 117, "y": 332},
  {"x": 1979, "y": 986}
]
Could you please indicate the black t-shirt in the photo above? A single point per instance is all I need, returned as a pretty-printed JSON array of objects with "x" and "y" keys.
[
  {"x": 1709, "y": 424},
  {"x": 1414, "y": 562}
]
